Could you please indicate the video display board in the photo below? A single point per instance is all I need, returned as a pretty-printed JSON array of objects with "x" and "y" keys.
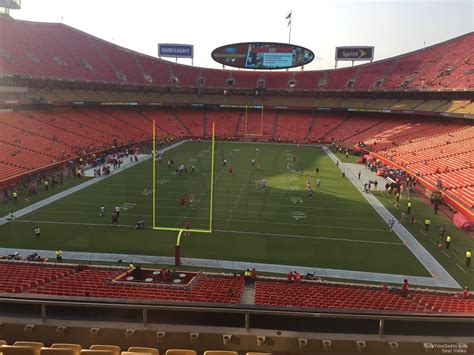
[{"x": 262, "y": 55}]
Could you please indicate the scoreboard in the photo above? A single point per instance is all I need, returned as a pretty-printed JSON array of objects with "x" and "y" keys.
[{"x": 262, "y": 55}]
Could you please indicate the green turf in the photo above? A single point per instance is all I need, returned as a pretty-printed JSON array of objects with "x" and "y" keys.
[
  {"x": 337, "y": 228},
  {"x": 342, "y": 156},
  {"x": 460, "y": 239},
  {"x": 25, "y": 200}
]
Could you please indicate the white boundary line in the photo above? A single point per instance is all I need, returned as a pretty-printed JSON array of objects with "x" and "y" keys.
[
  {"x": 441, "y": 278},
  {"x": 459, "y": 266},
  {"x": 54, "y": 198},
  {"x": 217, "y": 230}
]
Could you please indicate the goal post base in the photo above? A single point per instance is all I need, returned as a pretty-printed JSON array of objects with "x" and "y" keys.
[{"x": 177, "y": 255}]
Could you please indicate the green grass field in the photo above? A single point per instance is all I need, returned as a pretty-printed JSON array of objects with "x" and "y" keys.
[
  {"x": 336, "y": 228},
  {"x": 453, "y": 261}
]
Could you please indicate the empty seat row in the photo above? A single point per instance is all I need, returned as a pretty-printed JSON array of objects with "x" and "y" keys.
[{"x": 37, "y": 348}]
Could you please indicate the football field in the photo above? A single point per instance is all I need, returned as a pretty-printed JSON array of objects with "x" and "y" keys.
[{"x": 281, "y": 224}]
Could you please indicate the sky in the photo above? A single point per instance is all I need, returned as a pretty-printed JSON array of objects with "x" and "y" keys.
[{"x": 393, "y": 26}]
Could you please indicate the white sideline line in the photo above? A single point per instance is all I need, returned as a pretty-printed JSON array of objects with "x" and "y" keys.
[
  {"x": 217, "y": 230},
  {"x": 443, "y": 279},
  {"x": 74, "y": 189},
  {"x": 459, "y": 266},
  {"x": 445, "y": 253}
]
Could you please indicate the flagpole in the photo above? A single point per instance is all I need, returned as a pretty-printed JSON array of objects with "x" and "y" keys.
[
  {"x": 291, "y": 20},
  {"x": 289, "y": 17},
  {"x": 289, "y": 35}
]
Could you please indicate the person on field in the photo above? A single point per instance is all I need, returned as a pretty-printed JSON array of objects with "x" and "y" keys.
[
  {"x": 442, "y": 231},
  {"x": 448, "y": 241},
  {"x": 187, "y": 226},
  {"x": 391, "y": 222},
  {"x": 427, "y": 224},
  {"x": 115, "y": 217},
  {"x": 37, "y": 232},
  {"x": 140, "y": 224},
  {"x": 403, "y": 219},
  {"x": 59, "y": 256}
]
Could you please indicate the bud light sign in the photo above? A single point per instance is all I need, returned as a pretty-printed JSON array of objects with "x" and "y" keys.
[{"x": 175, "y": 50}]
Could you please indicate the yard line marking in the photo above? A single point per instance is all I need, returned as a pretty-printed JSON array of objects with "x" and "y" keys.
[
  {"x": 433, "y": 242},
  {"x": 220, "y": 230},
  {"x": 278, "y": 189},
  {"x": 137, "y": 208},
  {"x": 459, "y": 266},
  {"x": 308, "y": 237},
  {"x": 270, "y": 222},
  {"x": 371, "y": 211},
  {"x": 238, "y": 195},
  {"x": 76, "y": 223},
  {"x": 445, "y": 253}
]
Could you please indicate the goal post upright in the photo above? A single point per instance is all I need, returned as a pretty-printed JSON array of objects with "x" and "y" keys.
[
  {"x": 246, "y": 131},
  {"x": 246, "y": 119},
  {"x": 153, "y": 155},
  {"x": 212, "y": 176},
  {"x": 211, "y": 202}
]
